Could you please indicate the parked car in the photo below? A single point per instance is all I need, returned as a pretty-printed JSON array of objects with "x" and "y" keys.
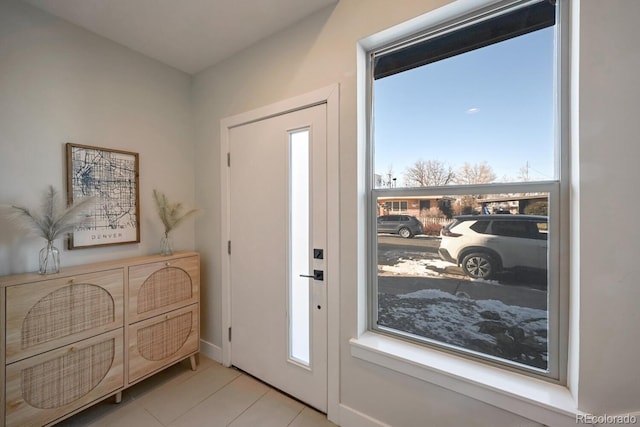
[
  {"x": 483, "y": 245},
  {"x": 406, "y": 226}
]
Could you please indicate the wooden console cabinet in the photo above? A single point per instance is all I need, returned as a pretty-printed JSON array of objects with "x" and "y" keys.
[{"x": 75, "y": 338}]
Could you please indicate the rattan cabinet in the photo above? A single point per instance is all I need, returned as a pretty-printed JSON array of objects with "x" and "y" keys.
[
  {"x": 72, "y": 339},
  {"x": 163, "y": 314}
]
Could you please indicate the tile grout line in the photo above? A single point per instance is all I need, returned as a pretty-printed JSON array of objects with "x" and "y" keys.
[
  {"x": 297, "y": 415},
  {"x": 253, "y": 403},
  {"x": 154, "y": 417},
  {"x": 170, "y": 379},
  {"x": 205, "y": 398}
]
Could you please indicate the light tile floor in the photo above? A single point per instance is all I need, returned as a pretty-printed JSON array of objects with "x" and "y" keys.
[{"x": 211, "y": 396}]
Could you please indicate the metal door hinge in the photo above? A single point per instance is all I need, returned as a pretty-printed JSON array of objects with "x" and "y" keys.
[
  {"x": 229, "y": 247},
  {"x": 229, "y": 333},
  {"x": 228, "y": 159}
]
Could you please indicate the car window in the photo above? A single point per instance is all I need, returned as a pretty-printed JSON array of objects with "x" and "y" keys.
[
  {"x": 540, "y": 230},
  {"x": 480, "y": 226},
  {"x": 511, "y": 229}
]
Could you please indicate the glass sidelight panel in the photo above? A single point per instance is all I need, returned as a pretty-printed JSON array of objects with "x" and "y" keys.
[{"x": 299, "y": 247}]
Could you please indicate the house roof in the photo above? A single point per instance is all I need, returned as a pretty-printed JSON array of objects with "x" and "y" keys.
[{"x": 540, "y": 197}]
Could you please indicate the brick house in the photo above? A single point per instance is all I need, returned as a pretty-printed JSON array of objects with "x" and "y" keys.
[{"x": 418, "y": 206}]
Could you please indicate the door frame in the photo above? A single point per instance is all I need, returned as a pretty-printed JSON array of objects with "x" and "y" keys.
[{"x": 328, "y": 95}]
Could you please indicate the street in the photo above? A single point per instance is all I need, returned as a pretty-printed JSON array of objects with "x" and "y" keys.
[{"x": 409, "y": 265}]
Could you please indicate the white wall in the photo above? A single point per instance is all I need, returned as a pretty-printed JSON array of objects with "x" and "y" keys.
[
  {"x": 320, "y": 51},
  {"x": 609, "y": 171},
  {"x": 315, "y": 53},
  {"x": 59, "y": 84}
]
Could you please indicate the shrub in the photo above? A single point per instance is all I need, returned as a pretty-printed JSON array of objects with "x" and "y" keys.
[
  {"x": 432, "y": 229},
  {"x": 537, "y": 208}
]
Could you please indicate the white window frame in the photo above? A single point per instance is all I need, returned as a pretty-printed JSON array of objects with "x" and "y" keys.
[
  {"x": 399, "y": 204},
  {"x": 546, "y": 401}
]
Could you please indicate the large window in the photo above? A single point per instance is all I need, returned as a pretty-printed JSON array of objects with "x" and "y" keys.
[
  {"x": 467, "y": 116},
  {"x": 396, "y": 206}
]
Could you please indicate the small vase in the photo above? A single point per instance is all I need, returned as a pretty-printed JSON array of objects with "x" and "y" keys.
[
  {"x": 166, "y": 247},
  {"x": 49, "y": 259}
]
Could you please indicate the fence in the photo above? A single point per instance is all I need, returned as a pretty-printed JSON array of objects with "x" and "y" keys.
[
  {"x": 432, "y": 225},
  {"x": 426, "y": 220}
]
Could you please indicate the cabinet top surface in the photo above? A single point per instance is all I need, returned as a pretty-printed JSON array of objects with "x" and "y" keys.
[{"x": 88, "y": 268}]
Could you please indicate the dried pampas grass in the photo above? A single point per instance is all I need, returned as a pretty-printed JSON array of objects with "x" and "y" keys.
[
  {"x": 171, "y": 214},
  {"x": 53, "y": 219}
]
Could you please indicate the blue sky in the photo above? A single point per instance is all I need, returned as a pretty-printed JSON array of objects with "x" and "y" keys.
[{"x": 493, "y": 104}]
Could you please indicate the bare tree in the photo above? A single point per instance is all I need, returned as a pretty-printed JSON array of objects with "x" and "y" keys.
[
  {"x": 386, "y": 180},
  {"x": 477, "y": 173},
  {"x": 427, "y": 173},
  {"x": 466, "y": 205}
]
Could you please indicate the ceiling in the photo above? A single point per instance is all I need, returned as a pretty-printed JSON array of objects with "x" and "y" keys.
[{"x": 189, "y": 35}]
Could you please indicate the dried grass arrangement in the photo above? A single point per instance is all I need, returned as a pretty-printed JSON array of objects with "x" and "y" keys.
[
  {"x": 53, "y": 219},
  {"x": 171, "y": 214},
  {"x": 50, "y": 222}
]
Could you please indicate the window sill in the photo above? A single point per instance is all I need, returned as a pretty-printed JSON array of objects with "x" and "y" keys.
[{"x": 537, "y": 400}]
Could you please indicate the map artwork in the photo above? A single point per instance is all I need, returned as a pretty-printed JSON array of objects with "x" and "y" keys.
[{"x": 112, "y": 178}]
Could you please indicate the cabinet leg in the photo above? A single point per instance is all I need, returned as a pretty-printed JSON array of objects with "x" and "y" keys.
[
  {"x": 118, "y": 397},
  {"x": 192, "y": 359}
]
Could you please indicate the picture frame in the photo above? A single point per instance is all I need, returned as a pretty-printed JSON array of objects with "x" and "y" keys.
[{"x": 112, "y": 177}]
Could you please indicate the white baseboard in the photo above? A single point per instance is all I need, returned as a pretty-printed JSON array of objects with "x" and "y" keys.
[
  {"x": 349, "y": 417},
  {"x": 211, "y": 351}
]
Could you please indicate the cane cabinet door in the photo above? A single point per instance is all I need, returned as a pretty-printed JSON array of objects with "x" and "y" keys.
[
  {"x": 48, "y": 386},
  {"x": 48, "y": 314},
  {"x": 158, "y": 287}
]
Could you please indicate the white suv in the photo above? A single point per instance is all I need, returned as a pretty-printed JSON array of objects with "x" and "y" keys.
[{"x": 485, "y": 244}]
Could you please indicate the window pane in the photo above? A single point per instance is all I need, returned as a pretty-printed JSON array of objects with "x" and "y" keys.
[
  {"x": 463, "y": 144},
  {"x": 299, "y": 248},
  {"x": 483, "y": 116},
  {"x": 473, "y": 278}
]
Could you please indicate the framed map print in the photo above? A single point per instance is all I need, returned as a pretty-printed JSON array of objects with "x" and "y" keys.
[{"x": 111, "y": 176}]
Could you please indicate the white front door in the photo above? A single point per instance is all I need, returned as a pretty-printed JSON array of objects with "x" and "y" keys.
[{"x": 277, "y": 226}]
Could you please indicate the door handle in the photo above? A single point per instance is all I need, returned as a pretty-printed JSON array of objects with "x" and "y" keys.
[{"x": 317, "y": 275}]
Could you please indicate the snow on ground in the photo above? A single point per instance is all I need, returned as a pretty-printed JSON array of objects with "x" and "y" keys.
[
  {"x": 410, "y": 267},
  {"x": 487, "y": 326},
  {"x": 424, "y": 267},
  {"x": 438, "y": 263},
  {"x": 530, "y": 318}
]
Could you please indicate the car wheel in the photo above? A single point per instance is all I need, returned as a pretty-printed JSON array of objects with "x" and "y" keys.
[
  {"x": 405, "y": 232},
  {"x": 479, "y": 265}
]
